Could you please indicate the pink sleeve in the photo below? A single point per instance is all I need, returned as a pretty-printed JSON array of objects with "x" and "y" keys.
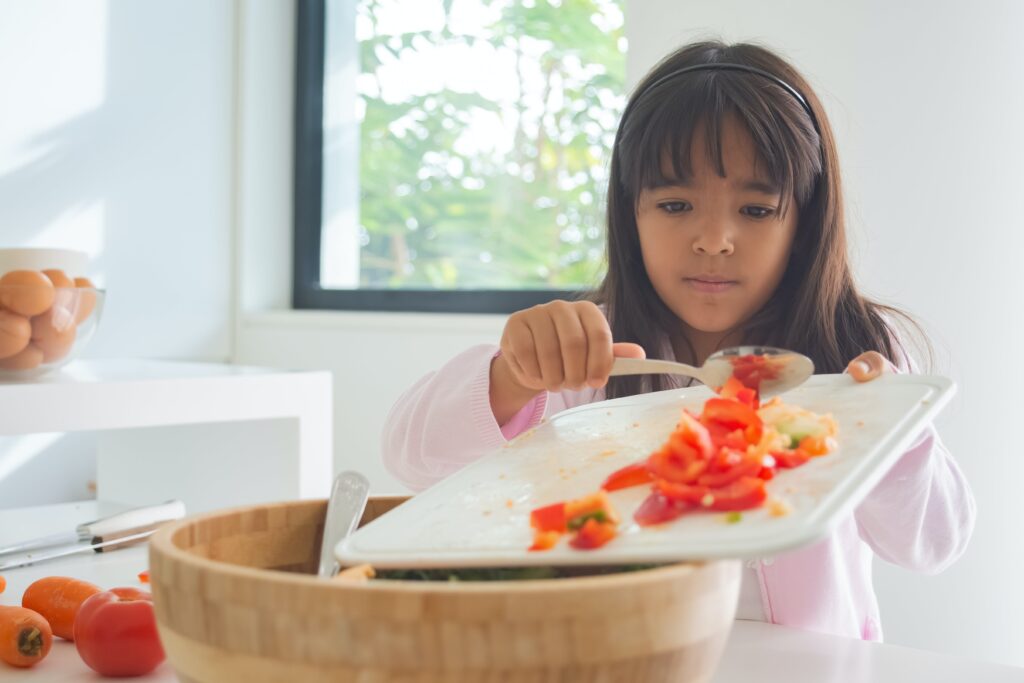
[
  {"x": 921, "y": 514},
  {"x": 444, "y": 421}
]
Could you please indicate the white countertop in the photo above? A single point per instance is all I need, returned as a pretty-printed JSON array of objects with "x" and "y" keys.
[{"x": 756, "y": 651}]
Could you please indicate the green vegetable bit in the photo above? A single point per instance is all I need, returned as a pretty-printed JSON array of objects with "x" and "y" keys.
[
  {"x": 733, "y": 517},
  {"x": 577, "y": 523}
]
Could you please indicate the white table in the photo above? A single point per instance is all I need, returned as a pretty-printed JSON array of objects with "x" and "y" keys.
[
  {"x": 212, "y": 435},
  {"x": 758, "y": 652}
]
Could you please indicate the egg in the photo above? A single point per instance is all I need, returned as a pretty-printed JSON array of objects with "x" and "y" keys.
[
  {"x": 66, "y": 296},
  {"x": 54, "y": 333},
  {"x": 29, "y": 357},
  {"x": 26, "y": 292},
  {"x": 86, "y": 298},
  {"x": 59, "y": 278},
  {"x": 15, "y": 331}
]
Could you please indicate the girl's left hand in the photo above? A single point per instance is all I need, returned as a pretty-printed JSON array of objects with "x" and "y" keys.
[{"x": 868, "y": 365}]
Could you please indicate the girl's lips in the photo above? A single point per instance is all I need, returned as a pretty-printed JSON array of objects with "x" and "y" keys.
[{"x": 709, "y": 286}]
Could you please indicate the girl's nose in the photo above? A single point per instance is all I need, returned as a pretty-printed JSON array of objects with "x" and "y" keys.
[{"x": 713, "y": 240}]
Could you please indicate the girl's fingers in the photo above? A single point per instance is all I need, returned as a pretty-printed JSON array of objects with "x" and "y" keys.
[
  {"x": 548, "y": 351},
  {"x": 599, "y": 347},
  {"x": 518, "y": 349},
  {"x": 867, "y": 366},
  {"x": 574, "y": 343},
  {"x": 628, "y": 350}
]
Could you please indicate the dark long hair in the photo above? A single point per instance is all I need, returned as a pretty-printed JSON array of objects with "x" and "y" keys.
[{"x": 816, "y": 308}]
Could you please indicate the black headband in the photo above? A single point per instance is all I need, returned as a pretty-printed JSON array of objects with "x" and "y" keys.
[{"x": 727, "y": 66}]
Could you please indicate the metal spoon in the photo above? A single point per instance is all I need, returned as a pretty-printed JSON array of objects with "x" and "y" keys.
[
  {"x": 344, "y": 510},
  {"x": 772, "y": 371}
]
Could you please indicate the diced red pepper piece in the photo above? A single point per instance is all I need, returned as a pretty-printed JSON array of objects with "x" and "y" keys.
[
  {"x": 658, "y": 508},
  {"x": 549, "y": 518},
  {"x": 733, "y": 415},
  {"x": 681, "y": 493},
  {"x": 790, "y": 458},
  {"x": 752, "y": 369},
  {"x": 691, "y": 439},
  {"x": 747, "y": 466},
  {"x": 665, "y": 464},
  {"x": 544, "y": 540},
  {"x": 630, "y": 475},
  {"x": 813, "y": 445},
  {"x": 734, "y": 389},
  {"x": 742, "y": 494},
  {"x": 588, "y": 505},
  {"x": 593, "y": 534}
]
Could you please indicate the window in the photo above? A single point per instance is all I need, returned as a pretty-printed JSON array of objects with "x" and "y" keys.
[{"x": 452, "y": 155}]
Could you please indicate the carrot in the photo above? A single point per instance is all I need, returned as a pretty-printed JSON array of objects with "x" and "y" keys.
[
  {"x": 58, "y": 598},
  {"x": 25, "y": 637}
]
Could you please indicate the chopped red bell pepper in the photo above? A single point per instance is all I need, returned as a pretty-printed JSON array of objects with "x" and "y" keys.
[
  {"x": 681, "y": 493},
  {"x": 545, "y": 540},
  {"x": 630, "y": 475},
  {"x": 658, "y": 508},
  {"x": 743, "y": 494},
  {"x": 549, "y": 518},
  {"x": 593, "y": 534}
]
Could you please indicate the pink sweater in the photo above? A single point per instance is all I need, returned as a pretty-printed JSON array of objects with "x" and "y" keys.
[{"x": 920, "y": 516}]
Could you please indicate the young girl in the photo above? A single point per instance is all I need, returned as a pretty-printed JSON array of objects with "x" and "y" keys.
[{"x": 725, "y": 227}]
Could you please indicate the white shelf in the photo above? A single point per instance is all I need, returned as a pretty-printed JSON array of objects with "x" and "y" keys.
[{"x": 213, "y": 435}]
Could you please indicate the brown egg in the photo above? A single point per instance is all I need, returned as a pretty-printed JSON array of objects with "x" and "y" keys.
[
  {"x": 26, "y": 292},
  {"x": 54, "y": 333},
  {"x": 59, "y": 278},
  {"x": 86, "y": 299},
  {"x": 29, "y": 357},
  {"x": 15, "y": 331}
]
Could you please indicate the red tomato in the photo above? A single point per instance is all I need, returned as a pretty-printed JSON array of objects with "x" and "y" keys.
[
  {"x": 630, "y": 475},
  {"x": 658, "y": 508},
  {"x": 742, "y": 494},
  {"x": 115, "y": 633},
  {"x": 549, "y": 518},
  {"x": 592, "y": 534}
]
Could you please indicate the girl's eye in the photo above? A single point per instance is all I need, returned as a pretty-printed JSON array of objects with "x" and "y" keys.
[
  {"x": 758, "y": 211},
  {"x": 675, "y": 207}
]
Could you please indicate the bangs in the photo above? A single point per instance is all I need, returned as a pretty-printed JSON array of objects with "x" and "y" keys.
[{"x": 657, "y": 137}]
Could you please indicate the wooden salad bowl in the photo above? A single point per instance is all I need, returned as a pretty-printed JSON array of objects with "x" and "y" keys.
[{"x": 237, "y": 599}]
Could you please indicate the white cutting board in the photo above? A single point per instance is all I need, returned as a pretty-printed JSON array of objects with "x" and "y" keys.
[{"x": 479, "y": 516}]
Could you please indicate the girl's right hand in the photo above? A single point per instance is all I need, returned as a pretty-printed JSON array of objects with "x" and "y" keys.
[{"x": 551, "y": 347}]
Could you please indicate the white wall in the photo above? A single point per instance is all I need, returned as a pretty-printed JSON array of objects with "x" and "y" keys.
[
  {"x": 124, "y": 130},
  {"x": 116, "y": 138}
]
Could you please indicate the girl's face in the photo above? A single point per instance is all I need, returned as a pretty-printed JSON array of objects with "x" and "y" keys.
[{"x": 716, "y": 248}]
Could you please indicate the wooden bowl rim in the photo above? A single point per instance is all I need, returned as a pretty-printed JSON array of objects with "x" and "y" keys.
[{"x": 161, "y": 542}]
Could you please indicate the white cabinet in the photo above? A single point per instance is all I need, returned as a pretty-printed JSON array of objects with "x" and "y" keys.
[{"x": 212, "y": 435}]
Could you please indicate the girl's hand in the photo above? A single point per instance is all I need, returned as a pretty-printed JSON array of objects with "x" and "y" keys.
[
  {"x": 551, "y": 347},
  {"x": 868, "y": 365}
]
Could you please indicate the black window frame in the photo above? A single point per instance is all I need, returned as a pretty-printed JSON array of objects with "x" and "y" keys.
[{"x": 307, "y": 211}]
